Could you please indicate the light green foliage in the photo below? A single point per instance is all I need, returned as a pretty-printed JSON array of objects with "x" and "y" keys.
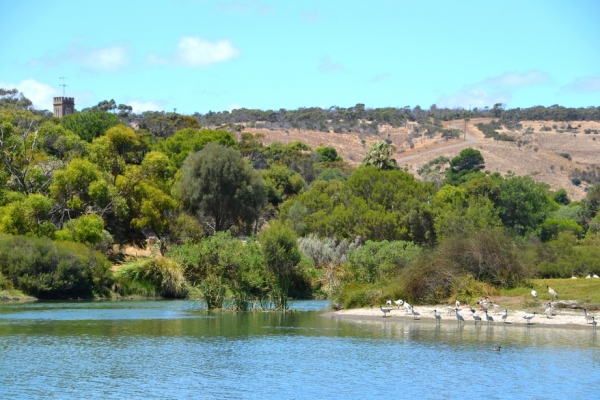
[
  {"x": 154, "y": 277},
  {"x": 89, "y": 125},
  {"x": 380, "y": 156},
  {"x": 551, "y": 228},
  {"x": 27, "y": 216},
  {"x": 458, "y": 212},
  {"x": 80, "y": 185},
  {"x": 46, "y": 269},
  {"x": 87, "y": 229},
  {"x": 433, "y": 171},
  {"x": 282, "y": 184},
  {"x": 380, "y": 260},
  {"x": 61, "y": 143},
  {"x": 188, "y": 141},
  {"x": 221, "y": 188},
  {"x": 464, "y": 167},
  {"x": 281, "y": 255}
]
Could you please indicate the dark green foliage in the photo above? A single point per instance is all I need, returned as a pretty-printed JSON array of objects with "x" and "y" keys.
[
  {"x": 45, "y": 269},
  {"x": 561, "y": 197},
  {"x": 566, "y": 155},
  {"x": 489, "y": 131},
  {"x": 89, "y": 125},
  {"x": 464, "y": 167},
  {"x": 221, "y": 188},
  {"x": 328, "y": 154},
  {"x": 188, "y": 141}
]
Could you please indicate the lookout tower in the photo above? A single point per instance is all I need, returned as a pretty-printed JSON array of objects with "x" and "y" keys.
[{"x": 63, "y": 106}]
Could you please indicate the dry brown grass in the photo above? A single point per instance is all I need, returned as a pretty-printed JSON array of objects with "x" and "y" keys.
[{"x": 539, "y": 158}]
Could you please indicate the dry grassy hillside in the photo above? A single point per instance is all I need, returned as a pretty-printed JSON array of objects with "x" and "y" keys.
[{"x": 534, "y": 153}]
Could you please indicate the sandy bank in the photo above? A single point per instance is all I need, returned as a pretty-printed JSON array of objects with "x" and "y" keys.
[{"x": 561, "y": 317}]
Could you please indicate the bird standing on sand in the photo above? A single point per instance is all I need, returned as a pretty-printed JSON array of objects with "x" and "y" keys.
[
  {"x": 458, "y": 316},
  {"x": 552, "y": 292},
  {"x": 504, "y": 315},
  {"x": 528, "y": 317},
  {"x": 438, "y": 317},
  {"x": 450, "y": 310},
  {"x": 548, "y": 311},
  {"x": 457, "y": 304},
  {"x": 385, "y": 310},
  {"x": 389, "y": 302},
  {"x": 398, "y": 303},
  {"x": 407, "y": 307},
  {"x": 533, "y": 293},
  {"x": 588, "y": 317},
  {"x": 415, "y": 313},
  {"x": 488, "y": 317}
]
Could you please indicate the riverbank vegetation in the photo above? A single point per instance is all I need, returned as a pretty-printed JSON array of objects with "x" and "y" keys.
[{"x": 242, "y": 224}]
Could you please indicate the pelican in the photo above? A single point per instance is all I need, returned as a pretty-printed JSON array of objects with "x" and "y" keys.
[
  {"x": 457, "y": 304},
  {"x": 407, "y": 307},
  {"x": 504, "y": 315},
  {"x": 552, "y": 292},
  {"x": 488, "y": 317},
  {"x": 385, "y": 310},
  {"x": 459, "y": 317},
  {"x": 533, "y": 293},
  {"x": 437, "y": 316},
  {"x": 415, "y": 313},
  {"x": 477, "y": 318},
  {"x": 389, "y": 302},
  {"x": 398, "y": 303},
  {"x": 528, "y": 317}
]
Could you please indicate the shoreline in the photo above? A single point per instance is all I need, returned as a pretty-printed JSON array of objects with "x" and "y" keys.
[{"x": 562, "y": 318}]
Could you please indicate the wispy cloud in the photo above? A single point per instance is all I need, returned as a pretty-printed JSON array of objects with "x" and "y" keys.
[
  {"x": 193, "y": 51},
  {"x": 40, "y": 94},
  {"x": 326, "y": 65},
  {"x": 584, "y": 84},
  {"x": 496, "y": 89},
  {"x": 139, "y": 106},
  {"x": 380, "y": 77},
  {"x": 245, "y": 7},
  {"x": 109, "y": 58},
  {"x": 311, "y": 16}
]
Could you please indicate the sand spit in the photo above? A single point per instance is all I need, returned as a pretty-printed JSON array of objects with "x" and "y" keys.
[{"x": 561, "y": 317}]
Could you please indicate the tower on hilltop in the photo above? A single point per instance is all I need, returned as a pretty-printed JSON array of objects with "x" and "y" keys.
[{"x": 63, "y": 106}]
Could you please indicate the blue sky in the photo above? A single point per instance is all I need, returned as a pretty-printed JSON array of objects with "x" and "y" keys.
[{"x": 202, "y": 55}]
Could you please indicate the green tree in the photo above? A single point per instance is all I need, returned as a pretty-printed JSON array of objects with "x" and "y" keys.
[
  {"x": 380, "y": 156},
  {"x": 187, "y": 141},
  {"x": 89, "y": 125},
  {"x": 282, "y": 183},
  {"x": 464, "y": 167},
  {"x": 221, "y": 188},
  {"x": 281, "y": 255}
]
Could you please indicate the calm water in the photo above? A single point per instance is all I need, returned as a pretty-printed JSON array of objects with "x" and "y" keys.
[{"x": 172, "y": 350}]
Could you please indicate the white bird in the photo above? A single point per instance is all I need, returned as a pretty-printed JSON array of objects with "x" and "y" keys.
[
  {"x": 385, "y": 310},
  {"x": 588, "y": 276},
  {"x": 533, "y": 293},
  {"x": 548, "y": 311},
  {"x": 595, "y": 276},
  {"x": 457, "y": 304},
  {"x": 552, "y": 292},
  {"x": 450, "y": 310},
  {"x": 504, "y": 315},
  {"x": 488, "y": 317},
  {"x": 528, "y": 317},
  {"x": 459, "y": 317},
  {"x": 588, "y": 317},
  {"x": 398, "y": 303},
  {"x": 437, "y": 316},
  {"x": 477, "y": 318},
  {"x": 415, "y": 313},
  {"x": 407, "y": 307},
  {"x": 389, "y": 302},
  {"x": 496, "y": 308},
  {"x": 574, "y": 277}
]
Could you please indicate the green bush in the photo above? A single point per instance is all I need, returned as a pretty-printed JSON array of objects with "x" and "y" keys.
[
  {"x": 155, "y": 277},
  {"x": 46, "y": 269}
]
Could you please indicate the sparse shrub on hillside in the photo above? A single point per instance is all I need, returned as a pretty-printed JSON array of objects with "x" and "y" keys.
[
  {"x": 545, "y": 128},
  {"x": 565, "y": 155}
]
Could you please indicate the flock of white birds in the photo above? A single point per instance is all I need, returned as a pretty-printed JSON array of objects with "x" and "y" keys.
[{"x": 485, "y": 305}]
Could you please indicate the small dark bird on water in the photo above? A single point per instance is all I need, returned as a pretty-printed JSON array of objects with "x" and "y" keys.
[{"x": 497, "y": 348}]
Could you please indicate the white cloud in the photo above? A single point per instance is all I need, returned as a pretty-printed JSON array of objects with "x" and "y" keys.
[
  {"x": 141, "y": 106},
  {"x": 584, "y": 84},
  {"x": 516, "y": 79},
  {"x": 193, "y": 51},
  {"x": 497, "y": 89},
  {"x": 326, "y": 65},
  {"x": 109, "y": 58},
  {"x": 40, "y": 94},
  {"x": 381, "y": 77}
]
